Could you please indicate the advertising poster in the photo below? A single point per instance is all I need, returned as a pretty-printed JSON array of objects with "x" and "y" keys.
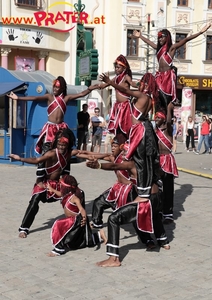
[{"x": 186, "y": 108}]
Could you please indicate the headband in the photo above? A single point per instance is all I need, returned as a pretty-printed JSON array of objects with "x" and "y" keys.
[
  {"x": 160, "y": 115},
  {"x": 114, "y": 141},
  {"x": 56, "y": 83},
  {"x": 63, "y": 140},
  {"x": 67, "y": 185},
  {"x": 124, "y": 146},
  {"x": 161, "y": 34},
  {"x": 120, "y": 63}
]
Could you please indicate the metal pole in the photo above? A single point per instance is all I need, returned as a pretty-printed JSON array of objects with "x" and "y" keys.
[{"x": 148, "y": 34}]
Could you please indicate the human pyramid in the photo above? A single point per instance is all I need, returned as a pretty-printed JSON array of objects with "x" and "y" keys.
[{"x": 141, "y": 158}]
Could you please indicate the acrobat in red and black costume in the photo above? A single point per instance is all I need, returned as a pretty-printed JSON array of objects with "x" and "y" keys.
[
  {"x": 68, "y": 234},
  {"x": 120, "y": 121},
  {"x": 143, "y": 148},
  {"x": 170, "y": 172},
  {"x": 166, "y": 81},
  {"x": 116, "y": 196},
  {"x": 41, "y": 194}
]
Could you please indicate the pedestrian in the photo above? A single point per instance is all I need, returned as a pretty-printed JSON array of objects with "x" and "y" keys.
[
  {"x": 174, "y": 133},
  {"x": 204, "y": 135},
  {"x": 189, "y": 129},
  {"x": 165, "y": 51},
  {"x": 98, "y": 124},
  {"x": 73, "y": 231},
  {"x": 167, "y": 161},
  {"x": 109, "y": 136},
  {"x": 55, "y": 161},
  {"x": 57, "y": 102},
  {"x": 83, "y": 118}
]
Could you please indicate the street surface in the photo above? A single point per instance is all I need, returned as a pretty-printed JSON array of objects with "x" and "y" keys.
[{"x": 182, "y": 273}]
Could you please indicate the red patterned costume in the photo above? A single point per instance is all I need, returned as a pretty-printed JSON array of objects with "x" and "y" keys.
[
  {"x": 167, "y": 161},
  {"x": 166, "y": 81},
  {"x": 116, "y": 196},
  {"x": 50, "y": 129},
  {"x": 41, "y": 194},
  {"x": 67, "y": 233},
  {"x": 169, "y": 167},
  {"x": 120, "y": 111}
]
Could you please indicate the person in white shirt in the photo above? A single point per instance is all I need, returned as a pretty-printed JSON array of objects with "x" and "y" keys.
[{"x": 190, "y": 134}]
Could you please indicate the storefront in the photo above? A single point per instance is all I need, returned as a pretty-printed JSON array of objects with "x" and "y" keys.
[{"x": 21, "y": 121}]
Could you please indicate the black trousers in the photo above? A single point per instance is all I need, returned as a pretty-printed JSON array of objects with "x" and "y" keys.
[
  {"x": 190, "y": 137},
  {"x": 127, "y": 214},
  {"x": 168, "y": 195},
  {"x": 100, "y": 204}
]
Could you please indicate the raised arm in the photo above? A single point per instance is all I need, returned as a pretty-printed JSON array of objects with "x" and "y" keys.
[
  {"x": 170, "y": 109},
  {"x": 33, "y": 160},
  {"x": 125, "y": 165},
  {"x": 123, "y": 89},
  {"x": 138, "y": 34},
  {"x": 45, "y": 97},
  {"x": 81, "y": 94},
  {"x": 182, "y": 42}
]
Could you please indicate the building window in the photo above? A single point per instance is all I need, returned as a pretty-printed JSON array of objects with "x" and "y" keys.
[
  {"x": 181, "y": 52},
  {"x": 209, "y": 48},
  {"x": 182, "y": 2},
  {"x": 210, "y": 4},
  {"x": 132, "y": 44},
  {"x": 29, "y": 3}
]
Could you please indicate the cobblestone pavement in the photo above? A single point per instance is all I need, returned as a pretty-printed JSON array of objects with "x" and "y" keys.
[{"x": 184, "y": 272}]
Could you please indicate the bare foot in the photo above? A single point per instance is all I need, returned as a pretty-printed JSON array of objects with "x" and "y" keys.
[
  {"x": 103, "y": 235},
  {"x": 110, "y": 262},
  {"x": 166, "y": 247},
  {"x": 52, "y": 254},
  {"x": 22, "y": 235}
]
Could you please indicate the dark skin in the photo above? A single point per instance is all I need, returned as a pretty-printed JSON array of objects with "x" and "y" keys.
[
  {"x": 142, "y": 101},
  {"x": 166, "y": 126},
  {"x": 127, "y": 82},
  {"x": 57, "y": 116},
  {"x": 162, "y": 40}
]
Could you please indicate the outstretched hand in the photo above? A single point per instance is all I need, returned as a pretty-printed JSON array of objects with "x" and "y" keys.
[
  {"x": 14, "y": 156},
  {"x": 12, "y": 96},
  {"x": 94, "y": 164},
  {"x": 136, "y": 33},
  {"x": 105, "y": 78},
  {"x": 206, "y": 27}
]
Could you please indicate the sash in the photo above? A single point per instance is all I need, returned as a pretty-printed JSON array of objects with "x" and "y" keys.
[
  {"x": 60, "y": 164},
  {"x": 118, "y": 80},
  {"x": 162, "y": 53},
  {"x": 66, "y": 203},
  {"x": 58, "y": 102},
  {"x": 136, "y": 135},
  {"x": 163, "y": 139}
]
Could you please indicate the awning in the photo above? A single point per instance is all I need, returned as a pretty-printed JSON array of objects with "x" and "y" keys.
[{"x": 6, "y": 87}]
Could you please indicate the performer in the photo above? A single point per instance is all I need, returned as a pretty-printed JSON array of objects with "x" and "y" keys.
[
  {"x": 166, "y": 75},
  {"x": 56, "y": 110},
  {"x": 55, "y": 161},
  {"x": 167, "y": 161},
  {"x": 123, "y": 190},
  {"x": 143, "y": 148},
  {"x": 72, "y": 232},
  {"x": 119, "y": 122}
]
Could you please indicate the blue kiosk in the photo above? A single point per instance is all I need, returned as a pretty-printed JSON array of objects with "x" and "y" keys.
[{"x": 21, "y": 121}]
